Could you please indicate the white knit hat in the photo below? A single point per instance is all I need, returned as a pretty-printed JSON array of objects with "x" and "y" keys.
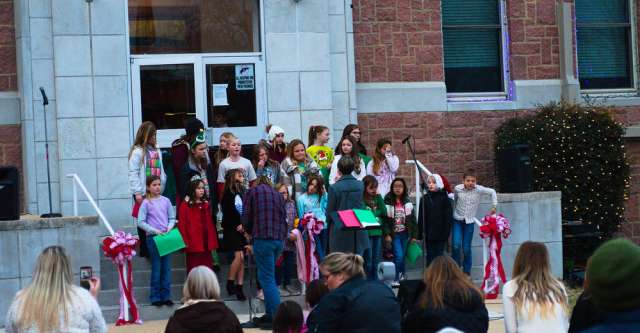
[
  {"x": 439, "y": 182},
  {"x": 273, "y": 131}
]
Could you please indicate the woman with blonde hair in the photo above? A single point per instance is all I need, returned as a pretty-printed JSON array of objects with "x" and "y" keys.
[
  {"x": 52, "y": 303},
  {"x": 354, "y": 304},
  {"x": 449, "y": 299},
  {"x": 202, "y": 311},
  {"x": 534, "y": 300}
]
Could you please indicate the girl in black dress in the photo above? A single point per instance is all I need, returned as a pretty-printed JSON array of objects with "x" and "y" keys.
[{"x": 234, "y": 235}]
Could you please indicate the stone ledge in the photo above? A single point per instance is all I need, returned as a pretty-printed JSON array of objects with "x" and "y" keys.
[
  {"x": 32, "y": 222},
  {"x": 529, "y": 196}
]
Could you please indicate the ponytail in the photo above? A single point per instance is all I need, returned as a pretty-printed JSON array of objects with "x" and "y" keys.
[{"x": 314, "y": 130}]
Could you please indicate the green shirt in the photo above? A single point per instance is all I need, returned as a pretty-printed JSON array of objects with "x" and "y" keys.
[{"x": 379, "y": 211}]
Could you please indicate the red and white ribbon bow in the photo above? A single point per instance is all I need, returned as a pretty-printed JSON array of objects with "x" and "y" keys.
[
  {"x": 120, "y": 248},
  {"x": 494, "y": 227}
]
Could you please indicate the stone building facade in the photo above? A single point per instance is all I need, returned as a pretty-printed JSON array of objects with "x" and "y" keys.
[{"x": 381, "y": 63}]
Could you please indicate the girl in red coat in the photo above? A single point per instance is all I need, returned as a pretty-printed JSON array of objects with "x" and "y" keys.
[{"x": 197, "y": 227}]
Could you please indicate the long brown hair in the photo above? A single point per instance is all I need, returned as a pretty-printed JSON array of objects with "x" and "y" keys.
[
  {"x": 49, "y": 292},
  {"x": 290, "y": 148},
  {"x": 369, "y": 181},
  {"x": 347, "y": 131},
  {"x": 535, "y": 283},
  {"x": 221, "y": 154},
  {"x": 446, "y": 283},
  {"x": 319, "y": 184},
  {"x": 354, "y": 151},
  {"x": 314, "y": 131},
  {"x": 378, "y": 157},
  {"x": 255, "y": 157},
  {"x": 146, "y": 131},
  {"x": 230, "y": 181}
]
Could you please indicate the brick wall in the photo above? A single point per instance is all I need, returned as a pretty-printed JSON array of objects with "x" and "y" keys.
[
  {"x": 451, "y": 142},
  {"x": 8, "y": 72},
  {"x": 398, "y": 40},
  {"x": 534, "y": 41}
]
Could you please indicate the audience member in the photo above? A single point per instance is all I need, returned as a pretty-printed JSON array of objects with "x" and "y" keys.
[
  {"x": 534, "y": 301},
  {"x": 449, "y": 300},
  {"x": 52, "y": 303},
  {"x": 585, "y": 313},
  {"x": 354, "y": 304},
  {"x": 613, "y": 275},
  {"x": 202, "y": 310},
  {"x": 289, "y": 318}
]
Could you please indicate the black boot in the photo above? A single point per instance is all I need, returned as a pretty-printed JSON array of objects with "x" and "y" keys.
[
  {"x": 240, "y": 293},
  {"x": 231, "y": 287}
]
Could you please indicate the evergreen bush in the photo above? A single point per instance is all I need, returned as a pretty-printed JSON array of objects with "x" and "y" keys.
[{"x": 578, "y": 150}]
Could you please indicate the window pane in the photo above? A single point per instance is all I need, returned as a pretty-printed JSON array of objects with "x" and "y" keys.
[
  {"x": 472, "y": 60},
  {"x": 168, "y": 94},
  {"x": 604, "y": 58},
  {"x": 194, "y": 26},
  {"x": 231, "y": 95},
  {"x": 470, "y": 12},
  {"x": 602, "y": 11}
]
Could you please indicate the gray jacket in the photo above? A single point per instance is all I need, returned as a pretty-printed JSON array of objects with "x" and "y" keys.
[{"x": 345, "y": 194}]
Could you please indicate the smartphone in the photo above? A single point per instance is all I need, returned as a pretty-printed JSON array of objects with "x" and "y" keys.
[{"x": 86, "y": 274}]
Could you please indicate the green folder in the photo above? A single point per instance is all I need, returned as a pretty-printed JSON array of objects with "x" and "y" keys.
[
  {"x": 366, "y": 218},
  {"x": 169, "y": 242},
  {"x": 414, "y": 251}
]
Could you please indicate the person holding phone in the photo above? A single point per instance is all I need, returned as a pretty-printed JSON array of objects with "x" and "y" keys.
[{"x": 52, "y": 303}]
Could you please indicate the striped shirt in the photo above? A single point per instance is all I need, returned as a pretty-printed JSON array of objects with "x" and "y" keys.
[
  {"x": 264, "y": 215},
  {"x": 467, "y": 201}
]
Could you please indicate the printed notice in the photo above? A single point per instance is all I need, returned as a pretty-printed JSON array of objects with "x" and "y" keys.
[
  {"x": 220, "y": 94},
  {"x": 245, "y": 78}
]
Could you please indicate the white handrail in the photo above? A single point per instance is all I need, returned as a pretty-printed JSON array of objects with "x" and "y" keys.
[
  {"x": 419, "y": 164},
  {"x": 77, "y": 182}
]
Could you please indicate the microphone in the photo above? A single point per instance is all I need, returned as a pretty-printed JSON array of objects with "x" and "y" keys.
[
  {"x": 406, "y": 139},
  {"x": 45, "y": 100}
]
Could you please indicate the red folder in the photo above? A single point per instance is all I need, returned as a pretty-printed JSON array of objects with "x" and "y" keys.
[{"x": 349, "y": 219}]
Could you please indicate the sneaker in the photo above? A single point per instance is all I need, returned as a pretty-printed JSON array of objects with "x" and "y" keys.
[
  {"x": 395, "y": 284},
  {"x": 284, "y": 291},
  {"x": 261, "y": 320},
  {"x": 292, "y": 290},
  {"x": 260, "y": 295}
]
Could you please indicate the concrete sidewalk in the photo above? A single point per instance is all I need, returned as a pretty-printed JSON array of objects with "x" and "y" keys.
[{"x": 494, "y": 307}]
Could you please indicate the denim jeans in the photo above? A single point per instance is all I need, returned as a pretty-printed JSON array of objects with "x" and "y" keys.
[
  {"x": 372, "y": 257},
  {"x": 286, "y": 271},
  {"x": 321, "y": 244},
  {"x": 400, "y": 241},
  {"x": 266, "y": 251},
  {"x": 461, "y": 240},
  {"x": 434, "y": 249},
  {"x": 160, "y": 273}
]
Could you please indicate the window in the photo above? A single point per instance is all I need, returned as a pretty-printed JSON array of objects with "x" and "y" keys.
[
  {"x": 194, "y": 26},
  {"x": 605, "y": 47},
  {"x": 472, "y": 35}
]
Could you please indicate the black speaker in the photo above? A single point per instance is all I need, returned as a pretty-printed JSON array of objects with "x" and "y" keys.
[
  {"x": 409, "y": 293},
  {"x": 514, "y": 169},
  {"x": 9, "y": 187}
]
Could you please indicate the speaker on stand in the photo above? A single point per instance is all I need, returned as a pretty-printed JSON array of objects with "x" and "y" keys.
[{"x": 513, "y": 166}]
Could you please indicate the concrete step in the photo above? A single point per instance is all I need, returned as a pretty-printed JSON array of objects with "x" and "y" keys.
[
  {"x": 141, "y": 278},
  {"x": 112, "y": 296},
  {"x": 177, "y": 261}
]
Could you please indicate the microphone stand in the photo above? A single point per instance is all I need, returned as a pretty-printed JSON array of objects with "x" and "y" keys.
[
  {"x": 424, "y": 189},
  {"x": 45, "y": 102}
]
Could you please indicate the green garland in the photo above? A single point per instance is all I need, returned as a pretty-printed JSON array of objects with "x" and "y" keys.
[{"x": 578, "y": 150}]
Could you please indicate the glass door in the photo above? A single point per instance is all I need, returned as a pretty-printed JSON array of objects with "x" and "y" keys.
[
  {"x": 235, "y": 95},
  {"x": 166, "y": 92}
]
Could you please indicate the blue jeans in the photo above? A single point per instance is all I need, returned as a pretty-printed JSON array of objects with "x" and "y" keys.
[
  {"x": 461, "y": 240},
  {"x": 266, "y": 251},
  {"x": 400, "y": 241},
  {"x": 372, "y": 256},
  {"x": 160, "y": 273}
]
